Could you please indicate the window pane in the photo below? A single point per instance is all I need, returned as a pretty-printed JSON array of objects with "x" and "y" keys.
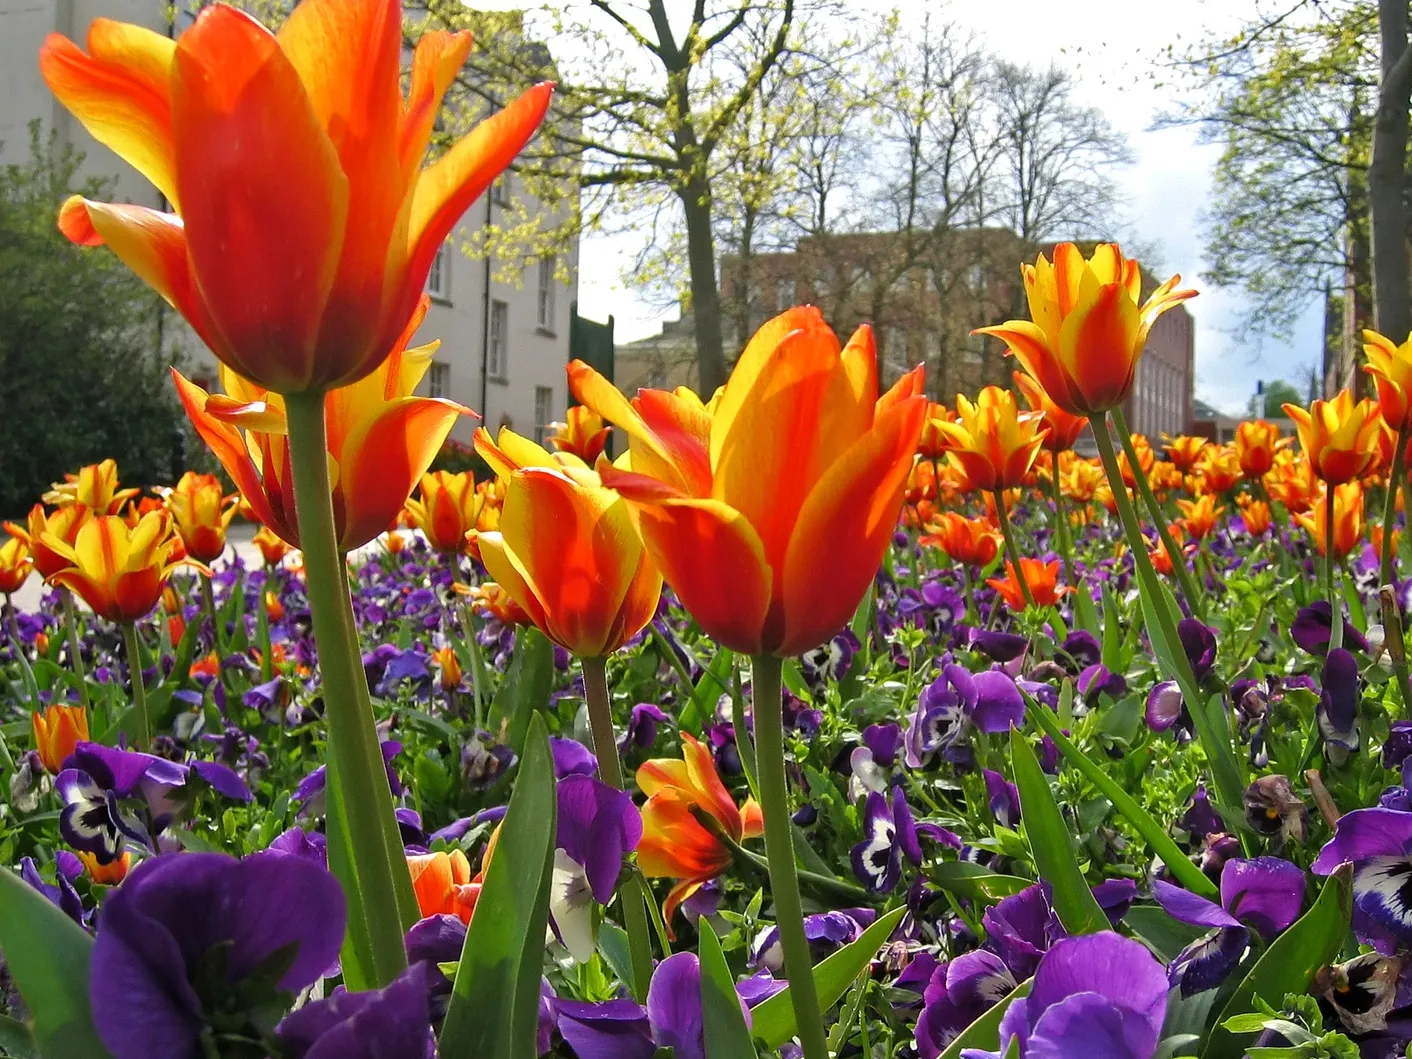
[
  {"x": 543, "y": 411},
  {"x": 498, "y": 355}
]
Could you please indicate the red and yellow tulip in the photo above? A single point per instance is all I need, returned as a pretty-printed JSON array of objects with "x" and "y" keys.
[
  {"x": 1218, "y": 470},
  {"x": 1184, "y": 450},
  {"x": 94, "y": 487},
  {"x": 768, "y": 512},
  {"x": 15, "y": 564},
  {"x": 993, "y": 444},
  {"x": 1162, "y": 560},
  {"x": 675, "y": 844},
  {"x": 447, "y": 509},
  {"x": 1256, "y": 442},
  {"x": 1338, "y": 436},
  {"x": 202, "y": 513},
  {"x": 380, "y": 441},
  {"x": 273, "y": 547},
  {"x": 57, "y": 730},
  {"x": 117, "y": 569},
  {"x": 1042, "y": 579},
  {"x": 1292, "y": 482},
  {"x": 582, "y": 433},
  {"x": 304, "y": 224},
  {"x": 1348, "y": 519},
  {"x": 567, "y": 553},
  {"x": 1256, "y": 516},
  {"x": 1390, "y": 365},
  {"x": 1086, "y": 329},
  {"x": 972, "y": 541},
  {"x": 443, "y": 884},
  {"x": 1200, "y": 517},
  {"x": 1064, "y": 428},
  {"x": 109, "y": 874}
]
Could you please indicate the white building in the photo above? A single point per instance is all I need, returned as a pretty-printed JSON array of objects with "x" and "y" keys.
[{"x": 504, "y": 345}]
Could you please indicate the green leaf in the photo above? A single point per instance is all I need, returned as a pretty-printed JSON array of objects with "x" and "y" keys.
[
  {"x": 1050, "y": 844},
  {"x": 526, "y": 687},
  {"x": 714, "y": 682},
  {"x": 48, "y": 954},
  {"x": 1161, "y": 844},
  {"x": 1166, "y": 935},
  {"x": 16, "y": 1040},
  {"x": 973, "y": 881},
  {"x": 613, "y": 947},
  {"x": 984, "y": 1033},
  {"x": 355, "y": 956},
  {"x": 494, "y": 1007},
  {"x": 1290, "y": 963},
  {"x": 727, "y": 1035},
  {"x": 772, "y": 1020},
  {"x": 1112, "y": 632},
  {"x": 1085, "y": 613}
]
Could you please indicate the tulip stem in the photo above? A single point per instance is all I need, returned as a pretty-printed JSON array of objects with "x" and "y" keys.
[
  {"x": 262, "y": 625},
  {"x": 139, "y": 688},
  {"x": 75, "y": 646},
  {"x": 1225, "y": 766},
  {"x": 1061, "y": 526},
  {"x": 1330, "y": 570},
  {"x": 1194, "y": 600},
  {"x": 779, "y": 849},
  {"x": 1388, "y": 566},
  {"x": 1011, "y": 551},
  {"x": 368, "y": 833},
  {"x": 610, "y": 771}
]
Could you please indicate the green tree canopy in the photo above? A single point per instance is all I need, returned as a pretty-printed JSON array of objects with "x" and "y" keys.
[
  {"x": 1277, "y": 393},
  {"x": 82, "y": 374}
]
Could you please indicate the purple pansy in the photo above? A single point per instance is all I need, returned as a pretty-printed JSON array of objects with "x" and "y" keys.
[
  {"x": 999, "y": 646},
  {"x": 641, "y": 731},
  {"x": 1004, "y": 798},
  {"x": 1165, "y": 706},
  {"x": 185, "y": 924},
  {"x": 597, "y": 827},
  {"x": 956, "y": 995},
  {"x": 1378, "y": 843},
  {"x": 829, "y": 662},
  {"x": 389, "y": 1023},
  {"x": 872, "y": 762},
  {"x": 1313, "y": 627},
  {"x": 889, "y": 833},
  {"x": 825, "y": 931},
  {"x": 1337, "y": 711},
  {"x": 1199, "y": 643},
  {"x": 1098, "y": 680},
  {"x": 956, "y": 700},
  {"x": 571, "y": 758},
  {"x": 62, "y": 894},
  {"x": 1101, "y": 996}
]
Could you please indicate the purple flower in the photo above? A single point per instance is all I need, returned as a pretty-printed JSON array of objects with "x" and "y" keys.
[
  {"x": 614, "y": 1029},
  {"x": 571, "y": 758},
  {"x": 674, "y": 1007},
  {"x": 1314, "y": 625},
  {"x": 825, "y": 931},
  {"x": 390, "y": 1023},
  {"x": 1398, "y": 747},
  {"x": 889, "y": 833},
  {"x": 958, "y": 993},
  {"x": 872, "y": 762},
  {"x": 1101, "y": 996},
  {"x": 1004, "y": 798},
  {"x": 431, "y": 942},
  {"x": 1098, "y": 680},
  {"x": 1337, "y": 712},
  {"x": 189, "y": 934},
  {"x": 62, "y": 894},
  {"x": 598, "y": 827},
  {"x": 641, "y": 731},
  {"x": 1201, "y": 818},
  {"x": 484, "y": 761},
  {"x": 1079, "y": 650},
  {"x": 1165, "y": 706},
  {"x": 998, "y": 704},
  {"x": 829, "y": 662},
  {"x": 1378, "y": 843},
  {"x": 296, "y": 842},
  {"x": 955, "y": 701},
  {"x": 1199, "y": 643},
  {"x": 998, "y": 646},
  {"x": 1021, "y": 928}
]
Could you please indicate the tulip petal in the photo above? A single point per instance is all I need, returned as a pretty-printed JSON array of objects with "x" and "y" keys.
[
  {"x": 844, "y": 527},
  {"x": 1098, "y": 349},
  {"x": 383, "y": 460},
  {"x": 121, "y": 92},
  {"x": 263, "y": 193},
  {"x": 714, "y": 561},
  {"x": 435, "y": 63},
  {"x": 507, "y": 571},
  {"x": 1029, "y": 345},
  {"x": 851, "y": 401}
]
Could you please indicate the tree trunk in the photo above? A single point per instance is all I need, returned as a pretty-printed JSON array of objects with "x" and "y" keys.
[
  {"x": 1387, "y": 176},
  {"x": 705, "y": 294}
]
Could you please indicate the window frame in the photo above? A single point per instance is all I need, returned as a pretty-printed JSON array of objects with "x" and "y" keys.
[{"x": 497, "y": 353}]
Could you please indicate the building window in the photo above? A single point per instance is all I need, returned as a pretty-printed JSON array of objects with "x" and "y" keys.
[
  {"x": 545, "y": 305},
  {"x": 500, "y": 190},
  {"x": 439, "y": 275},
  {"x": 784, "y": 294},
  {"x": 497, "y": 357},
  {"x": 543, "y": 411},
  {"x": 439, "y": 380}
]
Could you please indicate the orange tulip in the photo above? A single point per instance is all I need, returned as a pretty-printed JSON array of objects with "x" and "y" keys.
[
  {"x": 1184, "y": 450},
  {"x": 566, "y": 551},
  {"x": 1218, "y": 470},
  {"x": 1390, "y": 365},
  {"x": 1338, "y": 436},
  {"x": 443, "y": 885},
  {"x": 1064, "y": 428},
  {"x": 1201, "y": 516},
  {"x": 1042, "y": 579},
  {"x": 109, "y": 874},
  {"x": 15, "y": 564},
  {"x": 1256, "y": 516},
  {"x": 56, "y": 732},
  {"x": 272, "y": 546},
  {"x": 1145, "y": 459},
  {"x": 447, "y": 510},
  {"x": 1292, "y": 482},
  {"x": 449, "y": 666},
  {"x": 930, "y": 445},
  {"x": 1162, "y": 560},
  {"x": 304, "y": 225},
  {"x": 380, "y": 440},
  {"x": 94, "y": 487},
  {"x": 119, "y": 571},
  {"x": 1086, "y": 329},
  {"x": 1375, "y": 538},
  {"x": 1348, "y": 519},
  {"x": 769, "y": 513},
  {"x": 993, "y": 444},
  {"x": 1166, "y": 477},
  {"x": 1255, "y": 444},
  {"x": 675, "y": 845},
  {"x": 582, "y": 433},
  {"x": 972, "y": 541},
  {"x": 1081, "y": 481},
  {"x": 490, "y": 599},
  {"x": 202, "y": 513}
]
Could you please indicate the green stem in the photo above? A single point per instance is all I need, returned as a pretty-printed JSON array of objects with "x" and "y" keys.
[
  {"x": 779, "y": 848},
  {"x": 371, "y": 876},
  {"x": 1194, "y": 600},
  {"x": 1330, "y": 568},
  {"x": 610, "y": 770},
  {"x": 75, "y": 649},
  {"x": 139, "y": 689},
  {"x": 1061, "y": 525},
  {"x": 1011, "y": 551},
  {"x": 1387, "y": 568},
  {"x": 1225, "y": 767},
  {"x": 208, "y": 604},
  {"x": 262, "y": 625}
]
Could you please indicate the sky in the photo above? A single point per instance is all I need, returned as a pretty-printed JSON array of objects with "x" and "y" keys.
[{"x": 1110, "y": 49}]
